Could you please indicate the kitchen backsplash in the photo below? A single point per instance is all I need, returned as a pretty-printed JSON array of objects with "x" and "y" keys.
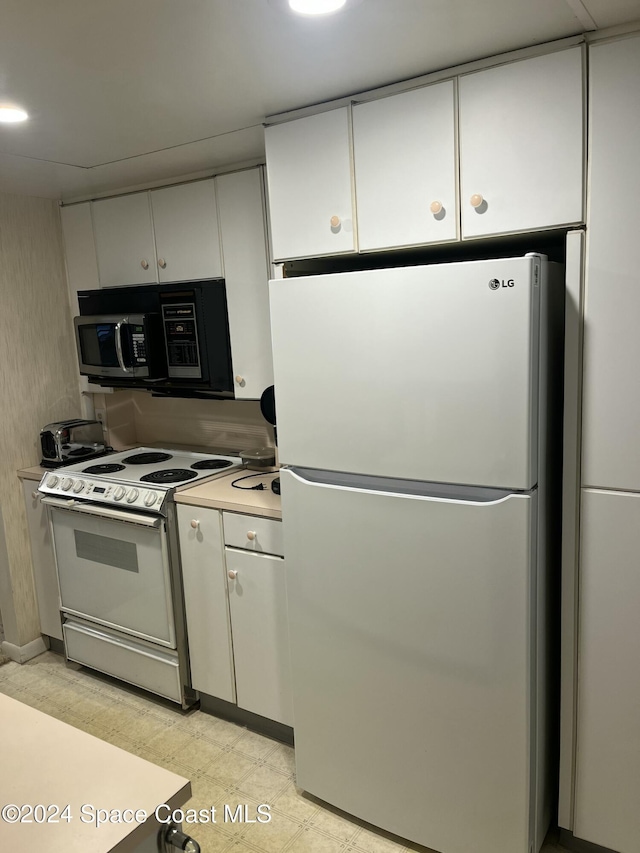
[{"x": 137, "y": 418}]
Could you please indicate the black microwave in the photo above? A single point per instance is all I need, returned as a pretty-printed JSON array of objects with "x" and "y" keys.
[{"x": 170, "y": 338}]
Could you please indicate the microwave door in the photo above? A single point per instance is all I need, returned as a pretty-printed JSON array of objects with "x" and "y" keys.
[{"x": 111, "y": 347}]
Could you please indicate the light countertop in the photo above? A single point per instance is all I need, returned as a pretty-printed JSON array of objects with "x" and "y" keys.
[
  {"x": 47, "y": 762},
  {"x": 35, "y": 473},
  {"x": 220, "y": 494}
]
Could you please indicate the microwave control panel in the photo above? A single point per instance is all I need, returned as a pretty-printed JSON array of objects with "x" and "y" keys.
[
  {"x": 139, "y": 344},
  {"x": 181, "y": 337}
]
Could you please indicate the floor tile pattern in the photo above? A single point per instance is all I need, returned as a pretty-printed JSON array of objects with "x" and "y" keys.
[{"x": 227, "y": 764}]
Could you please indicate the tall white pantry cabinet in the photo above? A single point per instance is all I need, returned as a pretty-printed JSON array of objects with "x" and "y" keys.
[{"x": 607, "y": 744}]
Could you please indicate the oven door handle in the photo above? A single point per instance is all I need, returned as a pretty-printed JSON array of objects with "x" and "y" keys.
[
  {"x": 118, "y": 334},
  {"x": 104, "y": 512}
]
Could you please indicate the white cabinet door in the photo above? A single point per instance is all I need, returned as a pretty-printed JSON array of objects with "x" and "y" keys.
[
  {"x": 608, "y": 733},
  {"x": 405, "y": 168},
  {"x": 185, "y": 222},
  {"x": 242, "y": 227},
  {"x": 309, "y": 179},
  {"x": 206, "y": 601},
  {"x": 44, "y": 564},
  {"x": 124, "y": 240},
  {"x": 258, "y": 600},
  {"x": 521, "y": 145},
  {"x": 612, "y": 344},
  {"x": 79, "y": 250}
]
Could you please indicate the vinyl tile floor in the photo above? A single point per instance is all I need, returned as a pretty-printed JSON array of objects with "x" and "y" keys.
[{"x": 226, "y": 763}]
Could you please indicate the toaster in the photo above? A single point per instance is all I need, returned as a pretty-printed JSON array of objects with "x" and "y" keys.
[{"x": 70, "y": 441}]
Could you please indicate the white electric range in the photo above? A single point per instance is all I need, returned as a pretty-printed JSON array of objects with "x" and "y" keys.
[{"x": 113, "y": 523}]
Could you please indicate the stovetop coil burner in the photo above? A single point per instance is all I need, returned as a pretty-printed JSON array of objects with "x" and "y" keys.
[
  {"x": 168, "y": 475},
  {"x": 147, "y": 458},
  {"x": 211, "y": 464},
  {"x": 107, "y": 468}
]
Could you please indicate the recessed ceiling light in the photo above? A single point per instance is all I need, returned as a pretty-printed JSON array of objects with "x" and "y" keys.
[
  {"x": 316, "y": 7},
  {"x": 10, "y": 115}
]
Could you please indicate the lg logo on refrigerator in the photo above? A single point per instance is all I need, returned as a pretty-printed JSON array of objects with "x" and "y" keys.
[{"x": 496, "y": 284}]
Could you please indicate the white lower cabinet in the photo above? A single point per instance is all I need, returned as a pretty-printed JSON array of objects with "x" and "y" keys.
[
  {"x": 236, "y": 610},
  {"x": 259, "y": 623},
  {"x": 44, "y": 564},
  {"x": 607, "y": 784},
  {"x": 206, "y": 602}
]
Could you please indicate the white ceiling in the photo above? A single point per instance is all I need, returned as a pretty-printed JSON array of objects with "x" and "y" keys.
[{"x": 122, "y": 92}]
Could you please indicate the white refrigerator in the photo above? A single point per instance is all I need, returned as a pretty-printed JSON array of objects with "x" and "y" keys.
[{"x": 416, "y": 410}]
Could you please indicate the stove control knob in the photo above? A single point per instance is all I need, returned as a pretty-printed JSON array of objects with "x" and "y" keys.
[
  {"x": 66, "y": 484},
  {"x": 132, "y": 496},
  {"x": 53, "y": 480},
  {"x": 119, "y": 493},
  {"x": 150, "y": 499},
  {"x": 78, "y": 486}
]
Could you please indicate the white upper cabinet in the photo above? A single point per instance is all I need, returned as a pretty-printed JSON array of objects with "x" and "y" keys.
[
  {"x": 309, "y": 181},
  {"x": 241, "y": 207},
  {"x": 185, "y": 222},
  {"x": 79, "y": 250},
  {"x": 521, "y": 145},
  {"x": 405, "y": 168},
  {"x": 611, "y": 415},
  {"x": 163, "y": 235},
  {"x": 124, "y": 240}
]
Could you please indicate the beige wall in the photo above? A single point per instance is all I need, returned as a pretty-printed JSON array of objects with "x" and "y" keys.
[
  {"x": 138, "y": 418},
  {"x": 38, "y": 379}
]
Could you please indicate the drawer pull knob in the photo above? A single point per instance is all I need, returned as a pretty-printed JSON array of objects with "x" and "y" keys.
[
  {"x": 144, "y": 264},
  {"x": 335, "y": 221},
  {"x": 476, "y": 200},
  {"x": 162, "y": 263},
  {"x": 233, "y": 574},
  {"x": 195, "y": 523},
  {"x": 251, "y": 535},
  {"x": 240, "y": 380},
  {"x": 435, "y": 207}
]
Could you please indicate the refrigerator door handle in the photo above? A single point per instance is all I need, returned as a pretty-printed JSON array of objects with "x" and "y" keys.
[{"x": 413, "y": 489}]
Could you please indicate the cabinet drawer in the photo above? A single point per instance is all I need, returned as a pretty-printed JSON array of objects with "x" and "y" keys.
[
  {"x": 104, "y": 650},
  {"x": 253, "y": 534}
]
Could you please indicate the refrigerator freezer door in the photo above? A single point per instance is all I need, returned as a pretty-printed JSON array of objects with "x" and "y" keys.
[
  {"x": 428, "y": 373},
  {"x": 410, "y": 639}
]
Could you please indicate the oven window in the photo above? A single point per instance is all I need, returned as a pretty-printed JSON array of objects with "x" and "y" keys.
[
  {"x": 98, "y": 344},
  {"x": 105, "y": 550}
]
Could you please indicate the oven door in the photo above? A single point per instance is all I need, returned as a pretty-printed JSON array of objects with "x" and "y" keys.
[
  {"x": 113, "y": 346},
  {"x": 113, "y": 569}
]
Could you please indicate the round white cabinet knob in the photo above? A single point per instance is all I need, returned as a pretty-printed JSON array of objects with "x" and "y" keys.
[
  {"x": 233, "y": 574},
  {"x": 435, "y": 207},
  {"x": 476, "y": 200},
  {"x": 251, "y": 535},
  {"x": 162, "y": 263},
  {"x": 53, "y": 480},
  {"x": 144, "y": 264},
  {"x": 150, "y": 499},
  {"x": 335, "y": 221},
  {"x": 133, "y": 494},
  {"x": 240, "y": 380},
  {"x": 79, "y": 486},
  {"x": 195, "y": 523},
  {"x": 35, "y": 495},
  {"x": 119, "y": 493},
  {"x": 66, "y": 484}
]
